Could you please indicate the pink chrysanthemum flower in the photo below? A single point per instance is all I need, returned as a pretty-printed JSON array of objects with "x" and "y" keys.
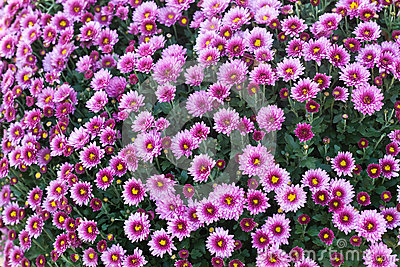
[
  {"x": 201, "y": 167},
  {"x": 343, "y": 164},
  {"x": 273, "y": 257},
  {"x": 367, "y": 99},
  {"x": 379, "y": 254},
  {"x": 367, "y": 31},
  {"x": 255, "y": 160},
  {"x": 316, "y": 49},
  {"x": 182, "y": 144},
  {"x": 233, "y": 72},
  {"x": 97, "y": 102},
  {"x": 258, "y": 38},
  {"x": 371, "y": 225},
  {"x": 220, "y": 243},
  {"x": 208, "y": 212},
  {"x": 160, "y": 187},
  {"x": 274, "y": 178},
  {"x": 257, "y": 202},
  {"x": 261, "y": 239},
  {"x": 161, "y": 243},
  {"x": 389, "y": 166},
  {"x": 179, "y": 227},
  {"x": 230, "y": 200},
  {"x": 89, "y": 257},
  {"x": 136, "y": 259},
  {"x": 263, "y": 74},
  {"x": 355, "y": 74},
  {"x": 81, "y": 193},
  {"x": 87, "y": 231},
  {"x": 91, "y": 155},
  {"x": 342, "y": 189},
  {"x": 346, "y": 219},
  {"x": 291, "y": 198},
  {"x": 270, "y": 118},
  {"x": 167, "y": 70},
  {"x": 303, "y": 132},
  {"x": 316, "y": 179},
  {"x": 148, "y": 145},
  {"x": 10, "y": 214},
  {"x": 113, "y": 256},
  {"x": 293, "y": 26},
  {"x": 226, "y": 120},
  {"x": 165, "y": 93},
  {"x": 34, "y": 226},
  {"x": 134, "y": 192},
  {"x": 137, "y": 227},
  {"x": 199, "y": 103},
  {"x": 340, "y": 93},
  {"x": 290, "y": 69},
  {"x": 279, "y": 228},
  {"x": 304, "y": 90}
]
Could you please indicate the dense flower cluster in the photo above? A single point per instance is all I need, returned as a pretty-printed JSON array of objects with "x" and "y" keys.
[{"x": 290, "y": 138}]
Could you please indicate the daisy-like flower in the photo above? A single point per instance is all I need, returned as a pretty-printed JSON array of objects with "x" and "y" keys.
[
  {"x": 290, "y": 69},
  {"x": 134, "y": 192},
  {"x": 392, "y": 217},
  {"x": 81, "y": 193},
  {"x": 208, "y": 212},
  {"x": 304, "y": 90},
  {"x": 136, "y": 259},
  {"x": 183, "y": 143},
  {"x": 230, "y": 200},
  {"x": 316, "y": 49},
  {"x": 371, "y": 225},
  {"x": 270, "y": 118},
  {"x": 255, "y": 160},
  {"x": 160, "y": 187},
  {"x": 261, "y": 239},
  {"x": 89, "y": 257},
  {"x": 258, "y": 38},
  {"x": 389, "y": 166},
  {"x": 257, "y": 201},
  {"x": 303, "y": 132},
  {"x": 104, "y": 178},
  {"x": 199, "y": 103},
  {"x": 161, "y": 243},
  {"x": 315, "y": 179},
  {"x": 278, "y": 226},
  {"x": 113, "y": 256},
  {"x": 220, "y": 243},
  {"x": 367, "y": 31},
  {"x": 326, "y": 235},
  {"x": 293, "y": 26},
  {"x": 226, "y": 120},
  {"x": 273, "y": 257},
  {"x": 355, "y": 74},
  {"x": 87, "y": 231},
  {"x": 340, "y": 93},
  {"x": 341, "y": 188},
  {"x": 34, "y": 226},
  {"x": 291, "y": 197},
  {"x": 179, "y": 227},
  {"x": 379, "y": 254},
  {"x": 343, "y": 164},
  {"x": 200, "y": 167},
  {"x": 263, "y": 74},
  {"x": 91, "y": 155},
  {"x": 367, "y": 99},
  {"x": 148, "y": 145},
  {"x": 274, "y": 178},
  {"x": 346, "y": 219},
  {"x": 137, "y": 227},
  {"x": 233, "y": 72},
  {"x": 10, "y": 214}
]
